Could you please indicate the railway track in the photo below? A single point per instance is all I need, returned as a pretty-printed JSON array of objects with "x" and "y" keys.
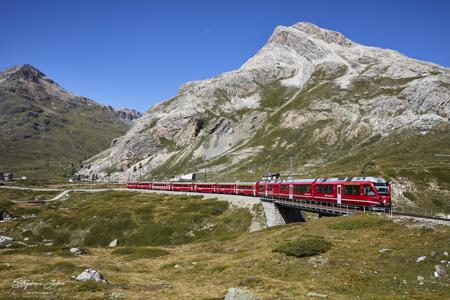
[{"x": 413, "y": 215}]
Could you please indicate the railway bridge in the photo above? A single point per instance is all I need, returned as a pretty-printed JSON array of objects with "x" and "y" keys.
[{"x": 282, "y": 211}]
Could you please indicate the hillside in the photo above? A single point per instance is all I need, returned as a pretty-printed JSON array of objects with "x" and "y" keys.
[
  {"x": 181, "y": 247},
  {"x": 47, "y": 131},
  {"x": 311, "y": 94}
]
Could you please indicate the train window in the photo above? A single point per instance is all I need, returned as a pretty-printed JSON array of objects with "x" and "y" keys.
[
  {"x": 351, "y": 189},
  {"x": 306, "y": 188},
  {"x": 269, "y": 187},
  {"x": 324, "y": 188},
  {"x": 368, "y": 190},
  {"x": 382, "y": 188},
  {"x": 283, "y": 188},
  {"x": 303, "y": 188}
]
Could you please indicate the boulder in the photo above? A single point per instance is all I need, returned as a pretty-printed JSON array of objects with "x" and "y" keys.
[
  {"x": 77, "y": 251},
  {"x": 240, "y": 294},
  {"x": 5, "y": 240},
  {"x": 90, "y": 274},
  {"x": 439, "y": 271},
  {"x": 421, "y": 258},
  {"x": 114, "y": 243}
]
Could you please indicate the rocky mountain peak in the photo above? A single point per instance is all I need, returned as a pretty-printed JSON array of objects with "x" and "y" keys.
[
  {"x": 308, "y": 91},
  {"x": 329, "y": 36},
  {"x": 26, "y": 72}
]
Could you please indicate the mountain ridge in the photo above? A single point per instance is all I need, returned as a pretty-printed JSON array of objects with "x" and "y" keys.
[{"x": 42, "y": 121}]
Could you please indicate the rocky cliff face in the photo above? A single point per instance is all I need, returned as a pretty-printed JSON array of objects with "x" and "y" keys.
[
  {"x": 309, "y": 93},
  {"x": 45, "y": 128}
]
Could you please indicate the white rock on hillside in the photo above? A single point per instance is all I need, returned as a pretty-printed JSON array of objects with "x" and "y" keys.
[
  {"x": 90, "y": 274},
  {"x": 5, "y": 240}
]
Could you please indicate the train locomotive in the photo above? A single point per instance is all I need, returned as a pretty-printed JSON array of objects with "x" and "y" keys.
[{"x": 368, "y": 192}]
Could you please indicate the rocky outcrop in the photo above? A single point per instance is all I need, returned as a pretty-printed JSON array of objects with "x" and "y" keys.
[
  {"x": 309, "y": 91},
  {"x": 128, "y": 115}
]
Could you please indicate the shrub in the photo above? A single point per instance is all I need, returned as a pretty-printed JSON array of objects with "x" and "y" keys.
[{"x": 304, "y": 247}]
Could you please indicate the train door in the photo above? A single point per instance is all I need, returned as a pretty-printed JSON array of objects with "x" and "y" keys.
[
  {"x": 339, "y": 193},
  {"x": 291, "y": 191}
]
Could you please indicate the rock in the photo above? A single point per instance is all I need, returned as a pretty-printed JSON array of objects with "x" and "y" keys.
[
  {"x": 77, "y": 251},
  {"x": 5, "y": 240},
  {"x": 114, "y": 243},
  {"x": 116, "y": 295},
  {"x": 440, "y": 270},
  {"x": 318, "y": 261},
  {"x": 316, "y": 295},
  {"x": 421, "y": 258},
  {"x": 446, "y": 253},
  {"x": 26, "y": 239},
  {"x": 90, "y": 274},
  {"x": 384, "y": 250},
  {"x": 420, "y": 278},
  {"x": 48, "y": 244},
  {"x": 177, "y": 266},
  {"x": 239, "y": 294}
]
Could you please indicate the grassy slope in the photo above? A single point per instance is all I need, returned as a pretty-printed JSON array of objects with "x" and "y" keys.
[
  {"x": 206, "y": 268},
  {"x": 95, "y": 219}
]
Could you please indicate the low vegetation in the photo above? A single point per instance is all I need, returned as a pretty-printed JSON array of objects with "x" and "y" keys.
[{"x": 308, "y": 246}]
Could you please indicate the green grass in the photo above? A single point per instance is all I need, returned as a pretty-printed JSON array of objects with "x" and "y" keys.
[
  {"x": 140, "y": 252},
  {"x": 358, "y": 223}
]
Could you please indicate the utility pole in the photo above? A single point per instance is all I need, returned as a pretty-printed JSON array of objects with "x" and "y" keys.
[{"x": 290, "y": 167}]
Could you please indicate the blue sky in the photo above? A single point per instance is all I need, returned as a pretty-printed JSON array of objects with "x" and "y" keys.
[{"x": 137, "y": 53}]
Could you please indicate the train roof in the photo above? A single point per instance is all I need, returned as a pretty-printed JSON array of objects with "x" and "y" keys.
[{"x": 340, "y": 179}]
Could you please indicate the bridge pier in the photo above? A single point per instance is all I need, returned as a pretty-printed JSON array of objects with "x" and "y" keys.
[{"x": 279, "y": 215}]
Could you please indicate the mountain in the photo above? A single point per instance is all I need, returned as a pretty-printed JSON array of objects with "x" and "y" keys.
[
  {"x": 44, "y": 128},
  {"x": 311, "y": 100}
]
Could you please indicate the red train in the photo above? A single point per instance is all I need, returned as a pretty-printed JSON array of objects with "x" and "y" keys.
[{"x": 357, "y": 191}]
